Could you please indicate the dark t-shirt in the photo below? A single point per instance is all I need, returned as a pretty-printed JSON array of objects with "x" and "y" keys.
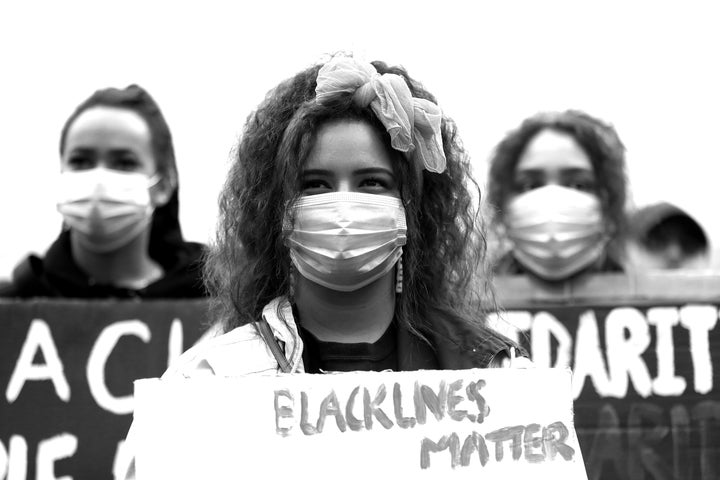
[{"x": 320, "y": 356}]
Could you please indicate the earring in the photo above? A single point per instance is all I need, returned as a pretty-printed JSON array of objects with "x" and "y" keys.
[
  {"x": 291, "y": 282},
  {"x": 399, "y": 277}
]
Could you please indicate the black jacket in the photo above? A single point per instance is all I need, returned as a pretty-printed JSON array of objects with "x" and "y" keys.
[{"x": 57, "y": 275}]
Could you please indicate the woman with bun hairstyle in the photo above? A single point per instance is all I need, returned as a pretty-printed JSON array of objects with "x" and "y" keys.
[{"x": 118, "y": 196}]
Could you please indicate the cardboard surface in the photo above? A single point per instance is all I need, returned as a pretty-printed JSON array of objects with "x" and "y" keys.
[{"x": 498, "y": 423}]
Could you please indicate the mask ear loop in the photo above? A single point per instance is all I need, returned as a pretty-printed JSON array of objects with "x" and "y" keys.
[{"x": 154, "y": 180}]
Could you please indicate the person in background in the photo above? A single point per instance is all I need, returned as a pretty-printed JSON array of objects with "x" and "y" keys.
[
  {"x": 557, "y": 185},
  {"x": 118, "y": 196},
  {"x": 663, "y": 236}
]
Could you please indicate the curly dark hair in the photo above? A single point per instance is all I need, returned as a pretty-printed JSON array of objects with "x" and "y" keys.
[
  {"x": 601, "y": 143},
  {"x": 165, "y": 232},
  {"x": 250, "y": 263}
]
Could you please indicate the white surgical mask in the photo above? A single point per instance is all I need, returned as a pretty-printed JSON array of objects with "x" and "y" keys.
[
  {"x": 556, "y": 231},
  {"x": 105, "y": 208},
  {"x": 346, "y": 240}
]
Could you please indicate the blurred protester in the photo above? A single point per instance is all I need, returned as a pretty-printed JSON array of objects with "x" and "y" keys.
[
  {"x": 118, "y": 195},
  {"x": 557, "y": 184},
  {"x": 663, "y": 236}
]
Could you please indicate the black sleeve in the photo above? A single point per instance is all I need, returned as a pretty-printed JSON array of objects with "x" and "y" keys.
[{"x": 28, "y": 281}]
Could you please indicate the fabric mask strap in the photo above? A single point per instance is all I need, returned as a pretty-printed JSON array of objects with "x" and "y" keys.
[{"x": 154, "y": 179}]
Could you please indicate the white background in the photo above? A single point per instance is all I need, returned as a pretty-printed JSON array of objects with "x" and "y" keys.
[{"x": 650, "y": 68}]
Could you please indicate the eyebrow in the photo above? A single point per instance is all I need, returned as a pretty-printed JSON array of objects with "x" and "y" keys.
[
  {"x": 81, "y": 150},
  {"x": 113, "y": 151},
  {"x": 316, "y": 171},
  {"x": 362, "y": 171},
  {"x": 568, "y": 170},
  {"x": 371, "y": 170}
]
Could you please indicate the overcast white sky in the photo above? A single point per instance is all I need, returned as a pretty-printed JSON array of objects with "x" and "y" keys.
[{"x": 650, "y": 68}]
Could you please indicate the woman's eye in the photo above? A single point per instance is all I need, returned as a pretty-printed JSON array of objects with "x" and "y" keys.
[
  {"x": 375, "y": 184},
  {"x": 522, "y": 186},
  {"x": 582, "y": 185},
  {"x": 579, "y": 186},
  {"x": 80, "y": 162},
  {"x": 126, "y": 163},
  {"x": 372, "y": 182},
  {"x": 314, "y": 186}
]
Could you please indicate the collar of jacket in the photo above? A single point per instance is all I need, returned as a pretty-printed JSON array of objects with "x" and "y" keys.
[
  {"x": 454, "y": 345},
  {"x": 182, "y": 279}
]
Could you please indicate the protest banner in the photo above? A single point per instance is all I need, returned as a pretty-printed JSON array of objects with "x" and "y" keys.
[
  {"x": 493, "y": 424},
  {"x": 645, "y": 354},
  {"x": 67, "y": 369}
]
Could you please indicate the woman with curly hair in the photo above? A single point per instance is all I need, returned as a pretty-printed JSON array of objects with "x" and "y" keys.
[
  {"x": 348, "y": 239},
  {"x": 558, "y": 185},
  {"x": 118, "y": 196}
]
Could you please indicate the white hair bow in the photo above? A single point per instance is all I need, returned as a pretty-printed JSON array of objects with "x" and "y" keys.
[{"x": 413, "y": 123}]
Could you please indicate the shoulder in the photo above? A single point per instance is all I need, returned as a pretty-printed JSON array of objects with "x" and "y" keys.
[
  {"x": 511, "y": 357},
  {"x": 183, "y": 275},
  {"x": 495, "y": 349},
  {"x": 192, "y": 252},
  {"x": 28, "y": 280},
  {"x": 612, "y": 263},
  {"x": 7, "y": 289},
  {"x": 238, "y": 352},
  {"x": 507, "y": 265},
  {"x": 463, "y": 343}
]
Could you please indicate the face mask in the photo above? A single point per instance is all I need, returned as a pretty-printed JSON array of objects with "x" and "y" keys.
[
  {"x": 346, "y": 240},
  {"x": 105, "y": 208},
  {"x": 556, "y": 231}
]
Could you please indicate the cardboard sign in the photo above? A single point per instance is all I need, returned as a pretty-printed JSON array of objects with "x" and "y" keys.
[
  {"x": 645, "y": 354},
  {"x": 493, "y": 424},
  {"x": 66, "y": 372}
]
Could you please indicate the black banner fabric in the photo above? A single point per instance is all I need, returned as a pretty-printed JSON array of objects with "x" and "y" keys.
[
  {"x": 646, "y": 373},
  {"x": 66, "y": 372}
]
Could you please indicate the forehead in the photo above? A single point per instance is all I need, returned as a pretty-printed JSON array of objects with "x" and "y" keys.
[
  {"x": 552, "y": 150},
  {"x": 348, "y": 144},
  {"x": 108, "y": 127}
]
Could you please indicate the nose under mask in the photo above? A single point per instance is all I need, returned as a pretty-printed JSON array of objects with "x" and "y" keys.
[
  {"x": 106, "y": 209},
  {"x": 346, "y": 240},
  {"x": 556, "y": 231}
]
